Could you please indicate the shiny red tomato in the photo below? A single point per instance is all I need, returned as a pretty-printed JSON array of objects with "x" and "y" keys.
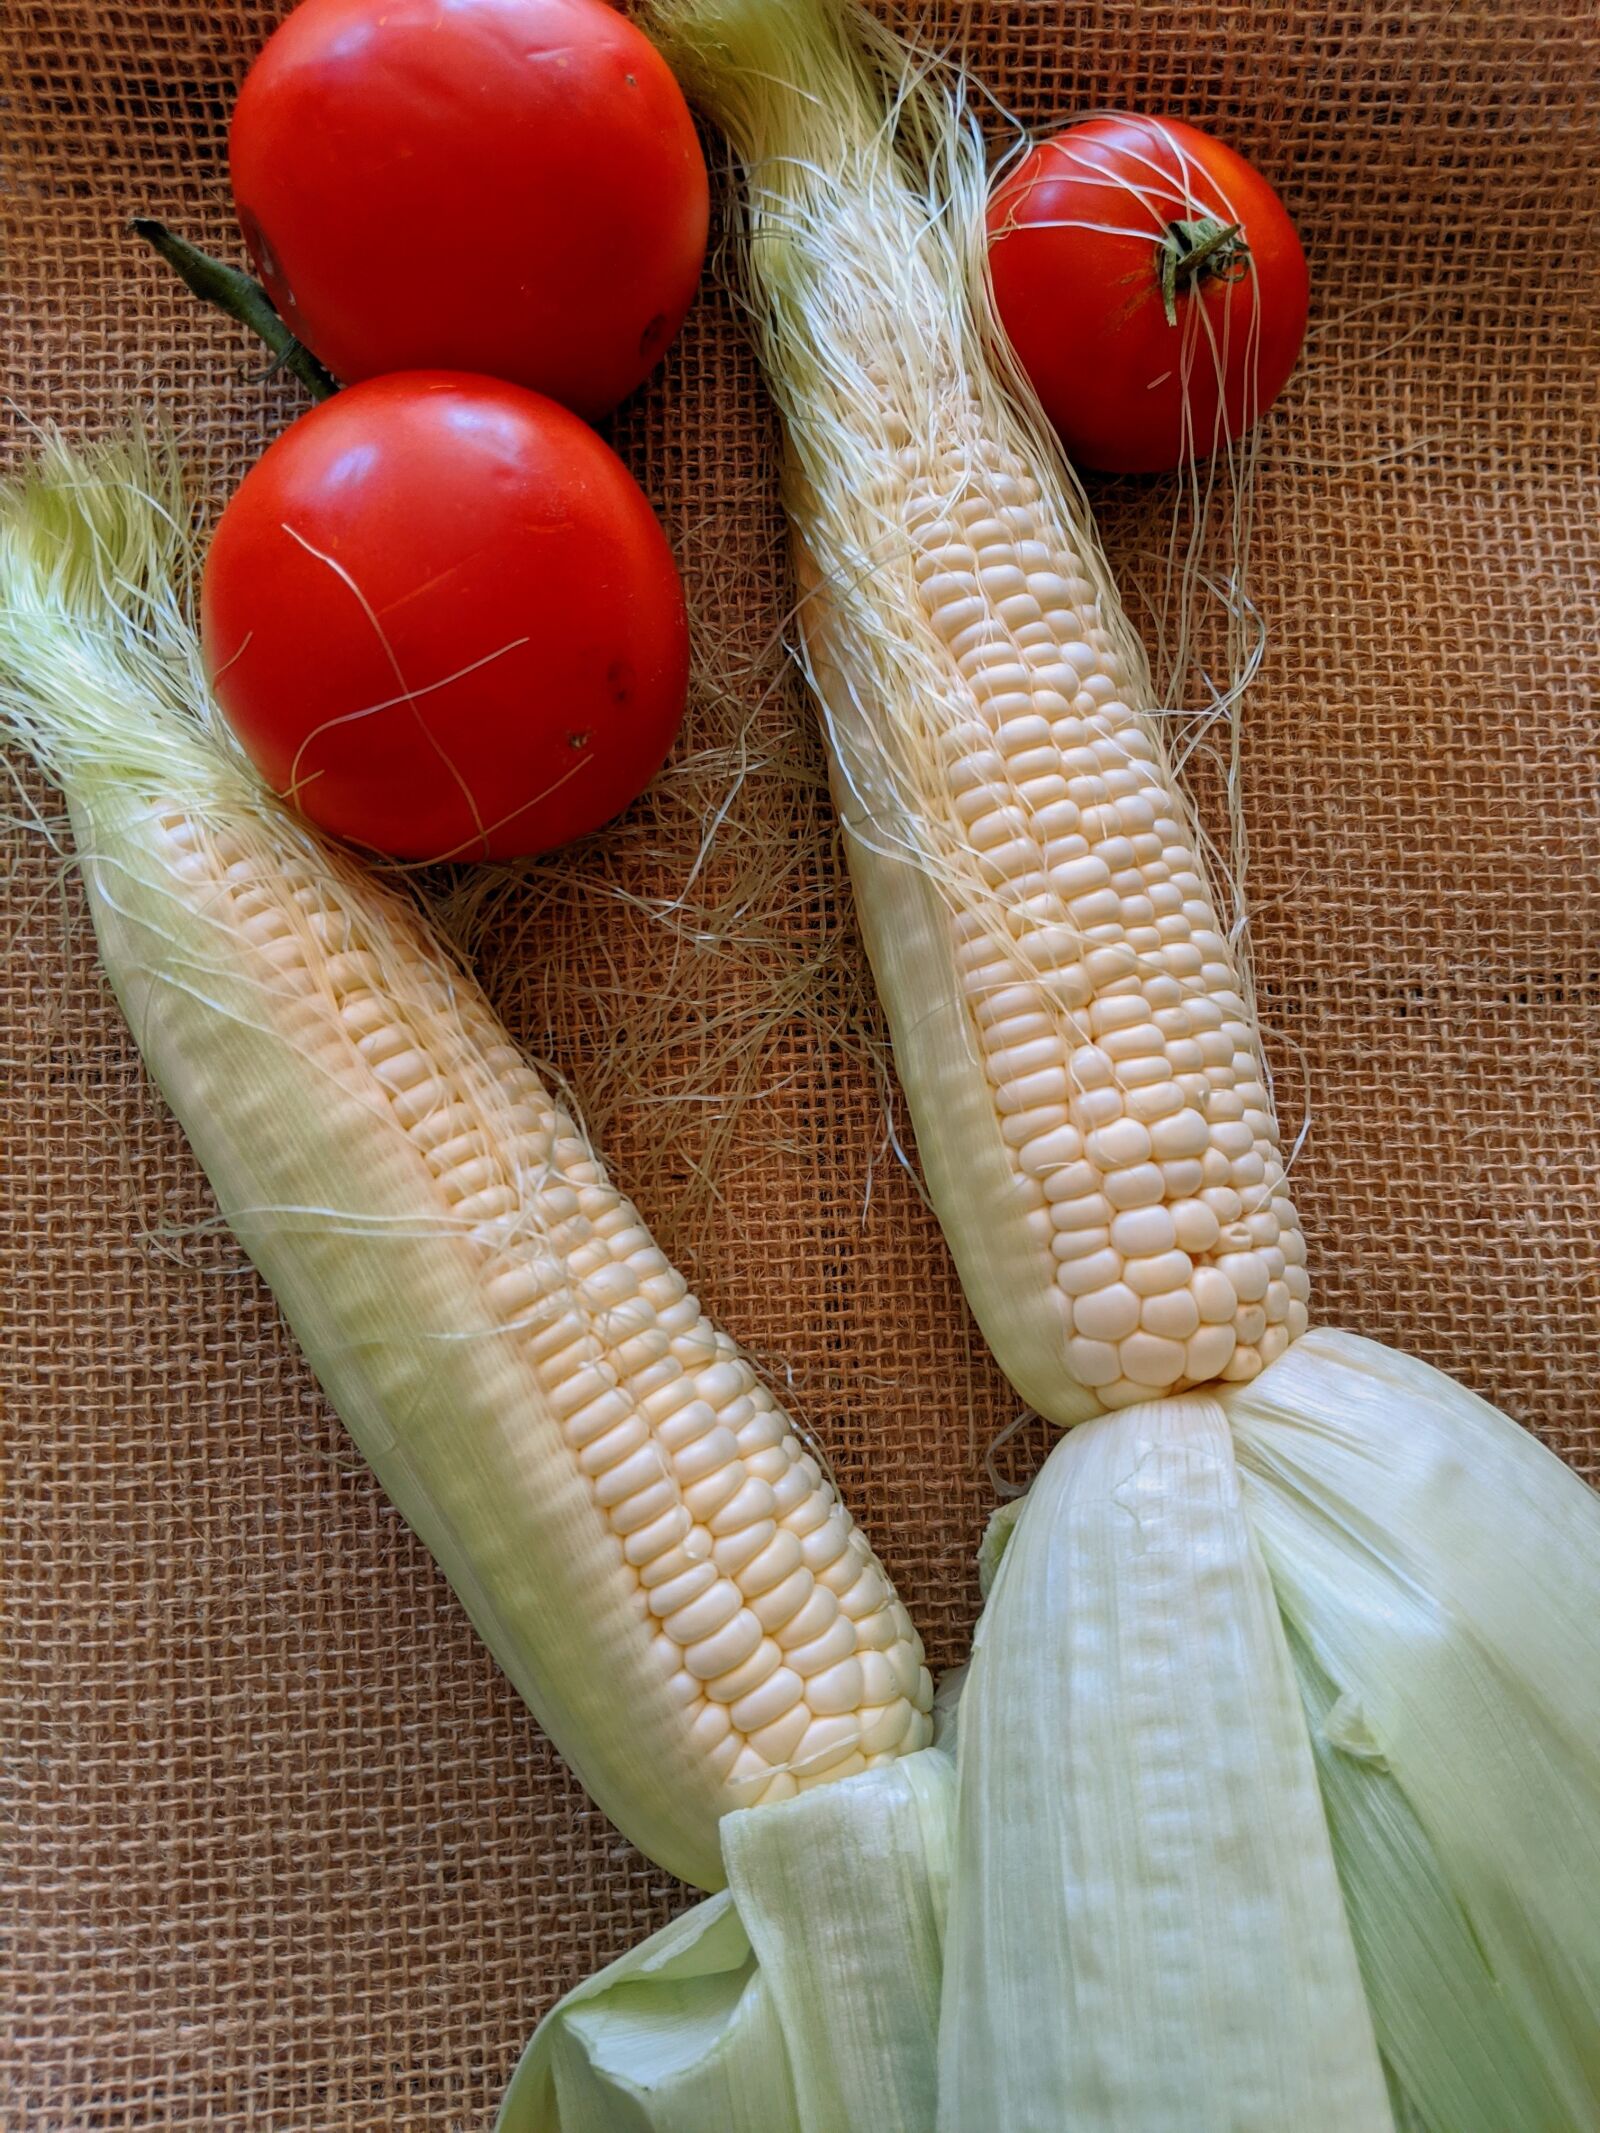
[
  {"x": 506, "y": 186},
  {"x": 444, "y": 622},
  {"x": 1153, "y": 288}
]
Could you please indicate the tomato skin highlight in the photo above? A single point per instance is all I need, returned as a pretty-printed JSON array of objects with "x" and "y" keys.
[
  {"x": 443, "y": 621},
  {"x": 1075, "y": 254},
  {"x": 513, "y": 187}
]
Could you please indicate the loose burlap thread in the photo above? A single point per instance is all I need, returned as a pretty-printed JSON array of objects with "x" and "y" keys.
[{"x": 282, "y": 1850}]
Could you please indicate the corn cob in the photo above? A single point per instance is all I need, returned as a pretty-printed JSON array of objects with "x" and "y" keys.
[
  {"x": 1071, "y": 1023},
  {"x": 634, "y": 1525}
]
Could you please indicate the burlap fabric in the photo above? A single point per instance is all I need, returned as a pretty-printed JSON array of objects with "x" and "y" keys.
[{"x": 282, "y": 1849}]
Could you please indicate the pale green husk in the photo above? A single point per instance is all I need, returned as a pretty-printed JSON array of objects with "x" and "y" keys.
[
  {"x": 1439, "y": 1576},
  {"x": 802, "y": 1999},
  {"x": 1146, "y": 1932}
]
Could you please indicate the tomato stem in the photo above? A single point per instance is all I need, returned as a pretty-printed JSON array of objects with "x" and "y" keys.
[
  {"x": 1195, "y": 251},
  {"x": 241, "y": 297}
]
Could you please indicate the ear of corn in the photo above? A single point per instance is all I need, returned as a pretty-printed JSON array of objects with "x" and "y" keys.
[
  {"x": 631, "y": 1521},
  {"x": 1075, "y": 1034},
  {"x": 803, "y": 1999},
  {"x": 1439, "y": 1576},
  {"x": 1071, "y": 1021},
  {"x": 1146, "y": 1930}
]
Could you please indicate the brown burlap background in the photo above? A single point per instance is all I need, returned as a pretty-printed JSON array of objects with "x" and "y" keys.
[{"x": 282, "y": 1849}]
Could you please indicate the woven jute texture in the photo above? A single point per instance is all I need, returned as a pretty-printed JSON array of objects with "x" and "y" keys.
[{"x": 282, "y": 1850}]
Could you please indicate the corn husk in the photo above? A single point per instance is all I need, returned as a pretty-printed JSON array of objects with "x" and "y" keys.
[
  {"x": 1146, "y": 1930},
  {"x": 1438, "y": 1573},
  {"x": 803, "y": 1998},
  {"x": 679, "y": 2034}
]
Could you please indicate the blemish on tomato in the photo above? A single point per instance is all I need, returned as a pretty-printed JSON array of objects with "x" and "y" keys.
[
  {"x": 255, "y": 242},
  {"x": 619, "y": 680},
  {"x": 653, "y": 333},
  {"x": 578, "y": 740}
]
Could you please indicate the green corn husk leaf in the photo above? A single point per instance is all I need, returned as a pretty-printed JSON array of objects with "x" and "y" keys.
[
  {"x": 804, "y": 1998},
  {"x": 679, "y": 2034},
  {"x": 1439, "y": 1575},
  {"x": 1002, "y": 1523},
  {"x": 1146, "y": 1931}
]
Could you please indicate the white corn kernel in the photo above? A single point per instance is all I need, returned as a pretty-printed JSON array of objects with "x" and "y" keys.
[
  {"x": 1215, "y": 1295},
  {"x": 835, "y": 1643},
  {"x": 776, "y": 1741},
  {"x": 1248, "y": 1274},
  {"x": 1080, "y": 1277},
  {"x": 709, "y": 1611},
  {"x": 1141, "y": 1232},
  {"x": 1173, "y": 1314},
  {"x": 835, "y": 1689},
  {"x": 1119, "y": 1146},
  {"x": 1159, "y": 1273},
  {"x": 1109, "y": 1313},
  {"x": 1094, "y": 1363},
  {"x": 1142, "y": 1186},
  {"x": 724, "y": 1648},
  {"x": 1148, "y": 1360},
  {"x": 748, "y": 1675},
  {"x": 811, "y": 1619},
  {"x": 1208, "y": 1352}
]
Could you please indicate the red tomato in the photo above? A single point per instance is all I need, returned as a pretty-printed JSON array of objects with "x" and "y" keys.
[
  {"x": 1080, "y": 234},
  {"x": 444, "y": 622},
  {"x": 506, "y": 186}
]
